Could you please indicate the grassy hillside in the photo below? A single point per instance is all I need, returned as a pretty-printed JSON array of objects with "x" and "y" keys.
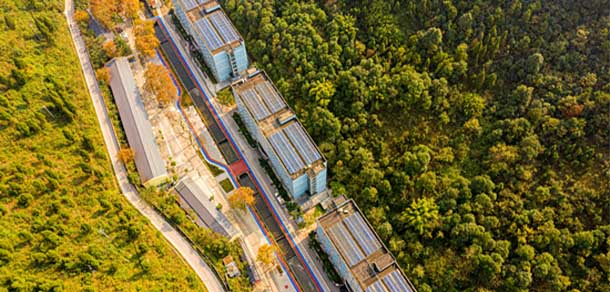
[{"x": 63, "y": 223}]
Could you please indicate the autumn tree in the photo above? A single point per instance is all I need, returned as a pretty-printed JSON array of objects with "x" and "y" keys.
[
  {"x": 146, "y": 41},
  {"x": 159, "y": 83},
  {"x": 110, "y": 48},
  {"x": 81, "y": 16},
  {"x": 266, "y": 255},
  {"x": 104, "y": 11},
  {"x": 126, "y": 155},
  {"x": 112, "y": 12},
  {"x": 129, "y": 8},
  {"x": 242, "y": 198},
  {"x": 103, "y": 74}
]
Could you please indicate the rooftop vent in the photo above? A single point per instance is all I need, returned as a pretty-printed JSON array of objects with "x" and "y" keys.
[{"x": 284, "y": 120}]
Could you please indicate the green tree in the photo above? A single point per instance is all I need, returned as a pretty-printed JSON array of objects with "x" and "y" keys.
[{"x": 421, "y": 215}]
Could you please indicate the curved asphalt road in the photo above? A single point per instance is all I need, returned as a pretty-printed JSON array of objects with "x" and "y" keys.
[{"x": 180, "y": 244}]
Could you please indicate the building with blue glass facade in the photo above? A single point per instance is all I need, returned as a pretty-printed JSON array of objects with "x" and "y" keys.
[
  {"x": 357, "y": 253},
  {"x": 292, "y": 153},
  {"x": 221, "y": 45}
]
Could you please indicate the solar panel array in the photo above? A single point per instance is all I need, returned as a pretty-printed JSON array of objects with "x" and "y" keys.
[
  {"x": 363, "y": 233},
  {"x": 350, "y": 250},
  {"x": 299, "y": 139},
  {"x": 396, "y": 282},
  {"x": 253, "y": 102},
  {"x": 209, "y": 34},
  {"x": 376, "y": 287},
  {"x": 224, "y": 27},
  {"x": 287, "y": 153},
  {"x": 190, "y": 4},
  {"x": 270, "y": 96},
  {"x": 263, "y": 100}
]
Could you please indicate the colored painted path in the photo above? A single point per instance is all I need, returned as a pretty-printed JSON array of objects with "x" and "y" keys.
[{"x": 275, "y": 214}]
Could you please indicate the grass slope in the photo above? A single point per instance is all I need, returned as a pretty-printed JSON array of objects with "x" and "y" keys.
[{"x": 63, "y": 223}]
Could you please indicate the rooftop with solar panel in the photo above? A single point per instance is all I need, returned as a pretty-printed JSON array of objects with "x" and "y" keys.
[
  {"x": 212, "y": 24},
  {"x": 366, "y": 264},
  {"x": 279, "y": 124}
]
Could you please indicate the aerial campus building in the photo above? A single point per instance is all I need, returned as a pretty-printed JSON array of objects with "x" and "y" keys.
[
  {"x": 293, "y": 155},
  {"x": 138, "y": 129},
  {"x": 357, "y": 253},
  {"x": 200, "y": 202},
  {"x": 221, "y": 45}
]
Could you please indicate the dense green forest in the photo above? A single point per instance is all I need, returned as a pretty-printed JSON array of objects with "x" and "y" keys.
[
  {"x": 473, "y": 133},
  {"x": 64, "y": 226}
]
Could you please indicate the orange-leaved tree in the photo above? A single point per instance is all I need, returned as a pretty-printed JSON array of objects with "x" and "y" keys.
[
  {"x": 126, "y": 155},
  {"x": 159, "y": 83},
  {"x": 110, "y": 48},
  {"x": 103, "y": 74},
  {"x": 104, "y": 11},
  {"x": 146, "y": 41},
  {"x": 265, "y": 255},
  {"x": 112, "y": 12},
  {"x": 129, "y": 8},
  {"x": 81, "y": 16},
  {"x": 241, "y": 198}
]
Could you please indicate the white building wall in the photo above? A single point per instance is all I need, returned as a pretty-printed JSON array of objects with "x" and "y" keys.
[
  {"x": 300, "y": 185},
  {"x": 320, "y": 185}
]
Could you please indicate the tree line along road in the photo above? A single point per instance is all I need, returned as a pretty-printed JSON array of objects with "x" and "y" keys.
[{"x": 180, "y": 244}]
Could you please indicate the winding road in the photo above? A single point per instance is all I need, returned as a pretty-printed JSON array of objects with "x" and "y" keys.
[{"x": 180, "y": 244}]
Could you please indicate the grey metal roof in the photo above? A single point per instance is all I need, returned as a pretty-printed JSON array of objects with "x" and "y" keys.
[
  {"x": 210, "y": 36},
  {"x": 345, "y": 242},
  {"x": 263, "y": 100},
  {"x": 361, "y": 249},
  {"x": 396, "y": 282},
  {"x": 224, "y": 27},
  {"x": 363, "y": 234},
  {"x": 190, "y": 4},
  {"x": 215, "y": 29},
  {"x": 271, "y": 96},
  {"x": 255, "y": 105},
  {"x": 289, "y": 140},
  {"x": 135, "y": 121},
  {"x": 196, "y": 198},
  {"x": 302, "y": 143},
  {"x": 376, "y": 287},
  {"x": 288, "y": 154}
]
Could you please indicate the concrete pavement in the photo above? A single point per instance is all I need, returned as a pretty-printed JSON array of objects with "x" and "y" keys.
[
  {"x": 251, "y": 157},
  {"x": 181, "y": 245}
]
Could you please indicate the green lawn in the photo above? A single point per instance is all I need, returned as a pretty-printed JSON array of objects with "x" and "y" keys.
[{"x": 226, "y": 185}]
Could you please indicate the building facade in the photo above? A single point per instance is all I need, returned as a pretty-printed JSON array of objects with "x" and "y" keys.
[
  {"x": 221, "y": 45},
  {"x": 357, "y": 253},
  {"x": 149, "y": 163},
  {"x": 293, "y": 155}
]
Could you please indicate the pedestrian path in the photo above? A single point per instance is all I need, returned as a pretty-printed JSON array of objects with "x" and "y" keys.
[{"x": 180, "y": 244}]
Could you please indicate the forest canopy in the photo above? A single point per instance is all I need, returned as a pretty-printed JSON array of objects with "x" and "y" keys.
[{"x": 474, "y": 134}]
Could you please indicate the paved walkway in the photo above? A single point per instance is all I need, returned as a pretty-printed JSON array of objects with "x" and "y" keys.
[
  {"x": 251, "y": 159},
  {"x": 181, "y": 245}
]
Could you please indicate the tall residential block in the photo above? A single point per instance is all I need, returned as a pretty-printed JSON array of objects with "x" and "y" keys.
[
  {"x": 357, "y": 253},
  {"x": 292, "y": 153},
  {"x": 221, "y": 45}
]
